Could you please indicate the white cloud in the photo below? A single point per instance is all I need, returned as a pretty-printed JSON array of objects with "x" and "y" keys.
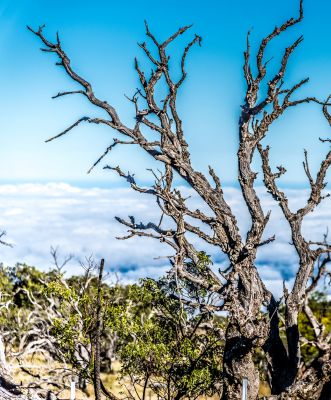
[{"x": 81, "y": 221}]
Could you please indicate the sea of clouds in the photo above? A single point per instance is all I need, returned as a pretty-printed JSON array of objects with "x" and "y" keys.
[{"x": 80, "y": 221}]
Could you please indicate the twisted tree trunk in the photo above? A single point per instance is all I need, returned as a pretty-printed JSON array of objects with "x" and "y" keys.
[{"x": 238, "y": 364}]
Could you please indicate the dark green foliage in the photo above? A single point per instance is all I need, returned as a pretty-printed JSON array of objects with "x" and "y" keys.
[{"x": 166, "y": 342}]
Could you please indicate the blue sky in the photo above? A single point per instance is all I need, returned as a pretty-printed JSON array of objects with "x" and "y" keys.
[
  {"x": 101, "y": 38},
  {"x": 46, "y": 197}
]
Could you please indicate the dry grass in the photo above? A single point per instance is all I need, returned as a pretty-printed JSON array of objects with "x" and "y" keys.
[{"x": 38, "y": 366}]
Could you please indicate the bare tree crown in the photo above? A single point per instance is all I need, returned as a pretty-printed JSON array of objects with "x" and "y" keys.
[{"x": 240, "y": 288}]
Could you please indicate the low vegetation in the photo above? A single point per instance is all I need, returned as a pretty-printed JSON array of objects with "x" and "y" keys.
[{"x": 160, "y": 339}]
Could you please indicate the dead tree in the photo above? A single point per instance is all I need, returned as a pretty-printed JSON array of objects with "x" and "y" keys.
[
  {"x": 29, "y": 332},
  {"x": 240, "y": 288}
]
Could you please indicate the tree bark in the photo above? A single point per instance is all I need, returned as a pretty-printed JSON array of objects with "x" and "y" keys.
[
  {"x": 245, "y": 332},
  {"x": 238, "y": 364},
  {"x": 276, "y": 353}
]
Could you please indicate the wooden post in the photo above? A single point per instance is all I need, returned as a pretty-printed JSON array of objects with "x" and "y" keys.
[{"x": 97, "y": 383}]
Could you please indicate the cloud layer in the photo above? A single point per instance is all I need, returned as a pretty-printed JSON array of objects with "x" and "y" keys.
[{"x": 81, "y": 221}]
